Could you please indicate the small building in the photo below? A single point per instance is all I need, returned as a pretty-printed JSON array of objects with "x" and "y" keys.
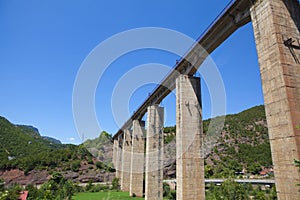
[
  {"x": 23, "y": 195},
  {"x": 265, "y": 172}
]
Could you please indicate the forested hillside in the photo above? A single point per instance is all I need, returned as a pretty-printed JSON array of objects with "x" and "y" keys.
[
  {"x": 241, "y": 146},
  {"x": 101, "y": 148},
  {"x": 24, "y": 148}
]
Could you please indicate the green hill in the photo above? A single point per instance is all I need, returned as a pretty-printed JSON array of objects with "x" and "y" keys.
[
  {"x": 101, "y": 148},
  {"x": 24, "y": 148},
  {"x": 241, "y": 145}
]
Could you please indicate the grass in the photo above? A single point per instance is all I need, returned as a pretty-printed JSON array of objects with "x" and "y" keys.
[{"x": 104, "y": 196}]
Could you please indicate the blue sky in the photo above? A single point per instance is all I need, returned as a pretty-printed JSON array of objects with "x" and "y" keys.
[{"x": 43, "y": 44}]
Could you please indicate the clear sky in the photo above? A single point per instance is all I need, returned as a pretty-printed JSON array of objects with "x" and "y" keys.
[{"x": 43, "y": 44}]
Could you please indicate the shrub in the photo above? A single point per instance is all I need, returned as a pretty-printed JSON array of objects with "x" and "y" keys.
[
  {"x": 115, "y": 184},
  {"x": 166, "y": 189},
  {"x": 99, "y": 165},
  {"x": 75, "y": 166}
]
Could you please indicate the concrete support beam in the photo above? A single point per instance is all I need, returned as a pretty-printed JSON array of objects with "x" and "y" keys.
[
  {"x": 119, "y": 158},
  {"x": 154, "y": 154},
  {"x": 115, "y": 153},
  {"x": 137, "y": 159},
  {"x": 276, "y": 26},
  {"x": 126, "y": 161},
  {"x": 189, "y": 136}
]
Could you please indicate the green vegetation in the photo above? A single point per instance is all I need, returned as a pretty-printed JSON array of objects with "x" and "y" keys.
[
  {"x": 104, "y": 195},
  {"x": 170, "y": 129},
  {"x": 99, "y": 147},
  {"x": 170, "y": 134},
  {"x": 232, "y": 190},
  {"x": 115, "y": 184},
  {"x": 112, "y": 193},
  {"x": 169, "y": 138},
  {"x": 103, "y": 139},
  {"x": 24, "y": 148},
  {"x": 243, "y": 144},
  {"x": 168, "y": 193},
  {"x": 12, "y": 193},
  {"x": 56, "y": 188},
  {"x": 297, "y": 163}
]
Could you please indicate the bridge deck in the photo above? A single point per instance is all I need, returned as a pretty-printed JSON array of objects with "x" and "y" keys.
[{"x": 235, "y": 15}]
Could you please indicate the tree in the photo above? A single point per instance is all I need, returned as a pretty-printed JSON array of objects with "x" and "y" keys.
[
  {"x": 115, "y": 184},
  {"x": 13, "y": 193},
  {"x": 56, "y": 188},
  {"x": 254, "y": 168},
  {"x": 166, "y": 189},
  {"x": 99, "y": 165},
  {"x": 228, "y": 190},
  {"x": 33, "y": 192},
  {"x": 297, "y": 163},
  {"x": 89, "y": 186},
  {"x": 209, "y": 171},
  {"x": 75, "y": 166},
  {"x": 1, "y": 184},
  {"x": 57, "y": 177}
]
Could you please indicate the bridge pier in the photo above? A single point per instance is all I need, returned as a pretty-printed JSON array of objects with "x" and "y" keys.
[
  {"x": 119, "y": 159},
  {"x": 115, "y": 153},
  {"x": 137, "y": 159},
  {"x": 276, "y": 26},
  {"x": 189, "y": 159},
  {"x": 154, "y": 154},
  {"x": 126, "y": 161}
]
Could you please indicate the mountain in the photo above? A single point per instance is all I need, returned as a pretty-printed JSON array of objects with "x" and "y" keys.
[
  {"x": 24, "y": 148},
  {"x": 26, "y": 157},
  {"x": 101, "y": 148},
  {"x": 34, "y": 132},
  {"x": 241, "y": 145},
  {"x": 52, "y": 140},
  {"x": 18, "y": 142},
  {"x": 30, "y": 130}
]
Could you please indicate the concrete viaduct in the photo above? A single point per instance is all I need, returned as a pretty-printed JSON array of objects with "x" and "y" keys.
[{"x": 276, "y": 25}]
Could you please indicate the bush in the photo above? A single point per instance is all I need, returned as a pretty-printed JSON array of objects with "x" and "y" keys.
[
  {"x": 1, "y": 184},
  {"x": 13, "y": 192},
  {"x": 89, "y": 186},
  {"x": 166, "y": 189},
  {"x": 90, "y": 161},
  {"x": 115, "y": 184},
  {"x": 99, "y": 165},
  {"x": 75, "y": 166},
  {"x": 172, "y": 195}
]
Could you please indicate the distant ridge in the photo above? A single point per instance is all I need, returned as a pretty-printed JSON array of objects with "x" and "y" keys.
[{"x": 33, "y": 131}]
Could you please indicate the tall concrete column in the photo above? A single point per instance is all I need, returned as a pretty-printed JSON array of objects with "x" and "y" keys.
[
  {"x": 137, "y": 159},
  {"x": 119, "y": 158},
  {"x": 115, "y": 153},
  {"x": 154, "y": 154},
  {"x": 189, "y": 159},
  {"x": 276, "y": 26},
  {"x": 126, "y": 161}
]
